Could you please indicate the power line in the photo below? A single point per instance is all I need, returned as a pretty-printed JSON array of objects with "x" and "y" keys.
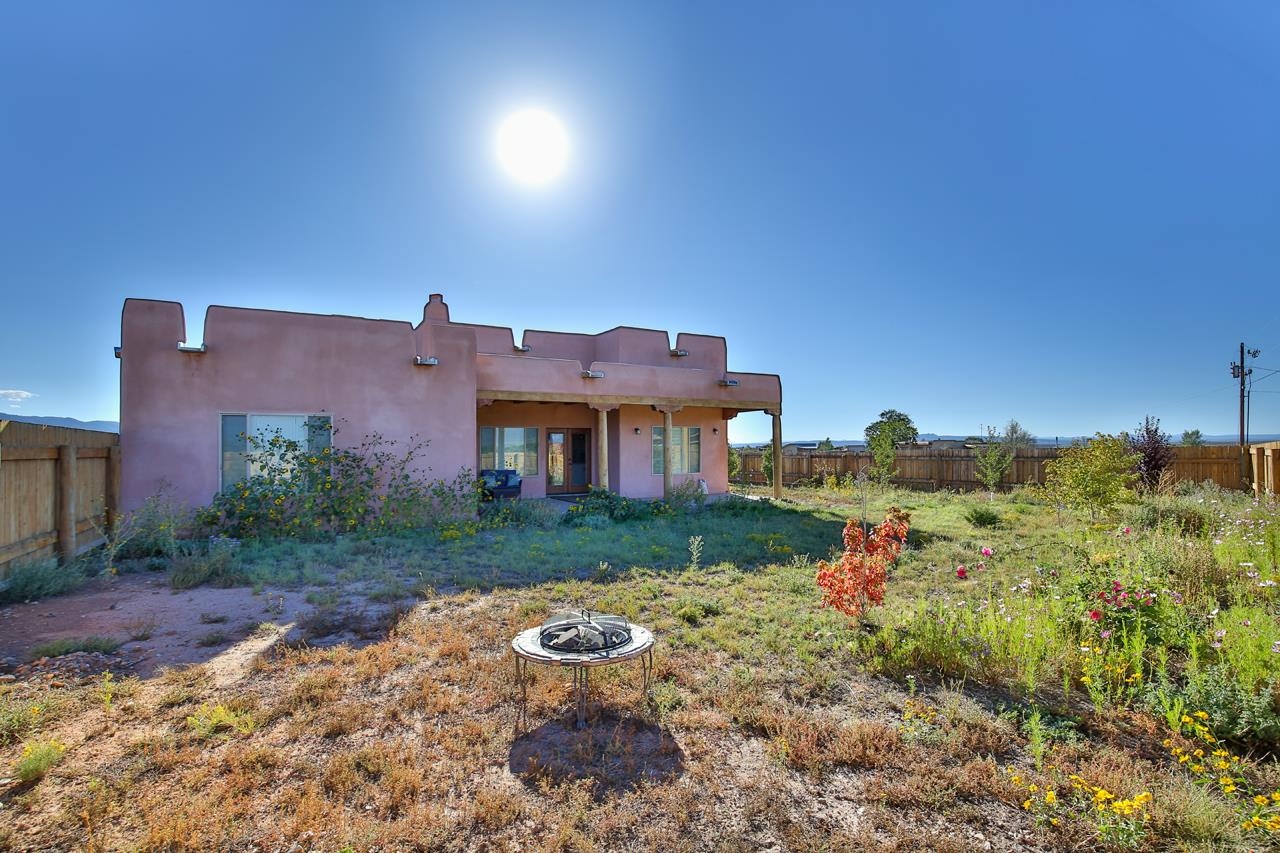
[
  {"x": 1220, "y": 389},
  {"x": 1270, "y": 373}
]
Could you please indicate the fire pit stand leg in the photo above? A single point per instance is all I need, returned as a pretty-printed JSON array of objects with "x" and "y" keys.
[
  {"x": 646, "y": 672},
  {"x": 522, "y": 713},
  {"x": 580, "y": 683}
]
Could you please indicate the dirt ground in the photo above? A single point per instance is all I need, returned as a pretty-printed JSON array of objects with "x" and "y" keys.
[{"x": 160, "y": 627}]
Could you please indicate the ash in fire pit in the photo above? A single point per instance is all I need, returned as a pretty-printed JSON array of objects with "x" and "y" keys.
[{"x": 584, "y": 631}]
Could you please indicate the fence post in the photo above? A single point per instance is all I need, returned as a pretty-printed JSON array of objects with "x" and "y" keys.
[
  {"x": 111, "y": 512},
  {"x": 66, "y": 512}
]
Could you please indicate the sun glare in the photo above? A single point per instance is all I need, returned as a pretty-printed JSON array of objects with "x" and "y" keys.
[{"x": 532, "y": 147}]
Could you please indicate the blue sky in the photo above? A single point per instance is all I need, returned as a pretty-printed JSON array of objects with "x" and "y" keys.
[{"x": 1067, "y": 214}]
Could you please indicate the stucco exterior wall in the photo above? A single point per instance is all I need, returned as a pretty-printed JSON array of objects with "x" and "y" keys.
[
  {"x": 360, "y": 372},
  {"x": 635, "y": 461}
]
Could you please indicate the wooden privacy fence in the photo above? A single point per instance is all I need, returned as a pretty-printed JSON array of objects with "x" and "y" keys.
[
  {"x": 59, "y": 489},
  {"x": 1266, "y": 468},
  {"x": 954, "y": 467}
]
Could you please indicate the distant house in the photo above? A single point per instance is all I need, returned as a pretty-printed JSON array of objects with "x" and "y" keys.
[
  {"x": 568, "y": 411},
  {"x": 798, "y": 448}
]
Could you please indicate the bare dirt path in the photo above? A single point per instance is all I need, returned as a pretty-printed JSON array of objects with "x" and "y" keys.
[{"x": 158, "y": 626}]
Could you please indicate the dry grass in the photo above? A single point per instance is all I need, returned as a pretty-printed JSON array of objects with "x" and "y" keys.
[
  {"x": 408, "y": 743},
  {"x": 760, "y": 732}
]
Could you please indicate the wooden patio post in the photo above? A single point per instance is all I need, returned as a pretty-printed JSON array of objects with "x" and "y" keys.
[
  {"x": 66, "y": 503},
  {"x": 668, "y": 457},
  {"x": 777, "y": 455},
  {"x": 602, "y": 446}
]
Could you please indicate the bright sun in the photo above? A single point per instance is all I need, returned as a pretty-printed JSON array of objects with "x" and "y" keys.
[{"x": 532, "y": 146}]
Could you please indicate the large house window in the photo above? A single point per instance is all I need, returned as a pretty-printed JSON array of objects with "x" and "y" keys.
[
  {"x": 246, "y": 434},
  {"x": 515, "y": 448},
  {"x": 686, "y": 450}
]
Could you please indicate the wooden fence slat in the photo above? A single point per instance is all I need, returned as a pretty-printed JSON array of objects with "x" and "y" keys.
[
  {"x": 28, "y": 454},
  {"x": 66, "y": 514}
]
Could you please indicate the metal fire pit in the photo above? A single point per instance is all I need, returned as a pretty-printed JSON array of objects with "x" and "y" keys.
[{"x": 581, "y": 639}]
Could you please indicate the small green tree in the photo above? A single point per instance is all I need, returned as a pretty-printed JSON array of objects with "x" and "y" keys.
[
  {"x": 992, "y": 460},
  {"x": 735, "y": 463},
  {"x": 882, "y": 434},
  {"x": 884, "y": 457},
  {"x": 1192, "y": 438},
  {"x": 1095, "y": 475},
  {"x": 766, "y": 463},
  {"x": 825, "y": 446}
]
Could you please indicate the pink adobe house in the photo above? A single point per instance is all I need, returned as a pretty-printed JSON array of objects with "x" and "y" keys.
[{"x": 568, "y": 411}]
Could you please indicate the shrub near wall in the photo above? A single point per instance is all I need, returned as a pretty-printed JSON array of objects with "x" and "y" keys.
[{"x": 315, "y": 493}]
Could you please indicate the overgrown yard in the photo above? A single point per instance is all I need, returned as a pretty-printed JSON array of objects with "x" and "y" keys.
[{"x": 1033, "y": 681}]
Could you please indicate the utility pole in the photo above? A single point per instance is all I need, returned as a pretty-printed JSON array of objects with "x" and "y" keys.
[{"x": 1241, "y": 372}]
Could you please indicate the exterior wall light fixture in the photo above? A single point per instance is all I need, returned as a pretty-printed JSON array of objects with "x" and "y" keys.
[
  {"x": 679, "y": 353},
  {"x": 593, "y": 374},
  {"x": 117, "y": 351},
  {"x": 637, "y": 430},
  {"x": 522, "y": 348}
]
